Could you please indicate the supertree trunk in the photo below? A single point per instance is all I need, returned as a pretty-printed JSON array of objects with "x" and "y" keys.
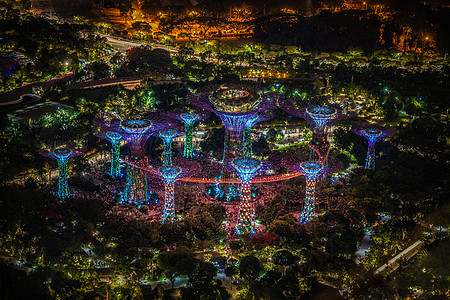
[
  {"x": 245, "y": 219},
  {"x": 115, "y": 170},
  {"x": 309, "y": 209},
  {"x": 370, "y": 158},
  {"x": 169, "y": 205},
  {"x": 167, "y": 154},
  {"x": 63, "y": 183},
  {"x": 188, "y": 150}
]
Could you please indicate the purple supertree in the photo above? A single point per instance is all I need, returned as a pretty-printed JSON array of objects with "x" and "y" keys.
[
  {"x": 372, "y": 132},
  {"x": 62, "y": 155},
  {"x": 247, "y": 135},
  {"x": 311, "y": 170},
  {"x": 246, "y": 168},
  {"x": 135, "y": 132},
  {"x": 234, "y": 104},
  {"x": 189, "y": 119},
  {"x": 321, "y": 115}
]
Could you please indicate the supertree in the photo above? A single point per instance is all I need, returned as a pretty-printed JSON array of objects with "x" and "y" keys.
[
  {"x": 115, "y": 139},
  {"x": 246, "y": 169},
  {"x": 235, "y": 105},
  {"x": 189, "y": 119},
  {"x": 311, "y": 170},
  {"x": 62, "y": 155},
  {"x": 167, "y": 135},
  {"x": 321, "y": 115},
  {"x": 372, "y": 132},
  {"x": 181, "y": 167},
  {"x": 169, "y": 175},
  {"x": 135, "y": 132},
  {"x": 247, "y": 141}
]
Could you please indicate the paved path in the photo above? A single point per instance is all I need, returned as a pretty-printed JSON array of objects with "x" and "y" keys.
[
  {"x": 406, "y": 254},
  {"x": 364, "y": 247}
]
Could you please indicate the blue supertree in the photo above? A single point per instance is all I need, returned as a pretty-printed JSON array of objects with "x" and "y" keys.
[
  {"x": 299, "y": 162},
  {"x": 246, "y": 169},
  {"x": 167, "y": 135},
  {"x": 181, "y": 167},
  {"x": 169, "y": 175},
  {"x": 372, "y": 132},
  {"x": 62, "y": 155},
  {"x": 115, "y": 139},
  {"x": 310, "y": 170}
]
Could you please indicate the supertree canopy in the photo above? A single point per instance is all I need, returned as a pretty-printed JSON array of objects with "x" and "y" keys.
[
  {"x": 167, "y": 135},
  {"x": 62, "y": 155},
  {"x": 235, "y": 105},
  {"x": 246, "y": 169},
  {"x": 372, "y": 133},
  {"x": 321, "y": 115}
]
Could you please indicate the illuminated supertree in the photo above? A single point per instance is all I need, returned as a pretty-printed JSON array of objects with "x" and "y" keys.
[
  {"x": 189, "y": 119},
  {"x": 320, "y": 115},
  {"x": 62, "y": 155},
  {"x": 311, "y": 170},
  {"x": 115, "y": 139},
  {"x": 372, "y": 133},
  {"x": 246, "y": 169},
  {"x": 167, "y": 135},
  {"x": 169, "y": 175},
  {"x": 135, "y": 132},
  {"x": 247, "y": 135},
  {"x": 235, "y": 105}
]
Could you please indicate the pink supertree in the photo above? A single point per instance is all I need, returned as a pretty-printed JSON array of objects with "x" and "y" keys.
[{"x": 372, "y": 132}]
